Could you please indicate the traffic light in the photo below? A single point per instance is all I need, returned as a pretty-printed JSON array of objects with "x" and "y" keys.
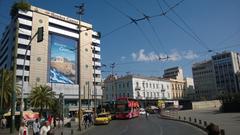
[{"x": 40, "y": 34}]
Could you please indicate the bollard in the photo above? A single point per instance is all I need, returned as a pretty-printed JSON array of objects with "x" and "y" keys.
[
  {"x": 184, "y": 118},
  {"x": 195, "y": 120},
  {"x": 179, "y": 117},
  {"x": 222, "y": 131},
  {"x": 200, "y": 122},
  {"x": 71, "y": 131},
  {"x": 190, "y": 119},
  {"x": 205, "y": 123},
  {"x": 61, "y": 132}
]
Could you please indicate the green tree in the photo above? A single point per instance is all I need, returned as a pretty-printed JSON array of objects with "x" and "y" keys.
[
  {"x": 42, "y": 97},
  {"x": 24, "y": 6},
  {"x": 6, "y": 89}
]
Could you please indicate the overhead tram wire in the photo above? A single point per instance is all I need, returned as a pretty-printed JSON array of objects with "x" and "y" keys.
[
  {"x": 146, "y": 17},
  {"x": 183, "y": 21},
  {"x": 194, "y": 37}
]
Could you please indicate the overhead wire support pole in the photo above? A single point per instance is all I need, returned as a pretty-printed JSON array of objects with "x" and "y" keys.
[
  {"x": 80, "y": 11},
  {"x": 112, "y": 66}
]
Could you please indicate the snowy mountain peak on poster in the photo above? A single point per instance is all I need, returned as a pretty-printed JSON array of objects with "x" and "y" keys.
[{"x": 57, "y": 77}]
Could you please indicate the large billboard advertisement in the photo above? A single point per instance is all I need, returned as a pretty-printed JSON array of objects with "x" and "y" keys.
[{"x": 63, "y": 63}]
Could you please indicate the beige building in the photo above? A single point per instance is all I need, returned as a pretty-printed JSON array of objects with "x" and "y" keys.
[
  {"x": 178, "y": 88},
  {"x": 66, "y": 58}
]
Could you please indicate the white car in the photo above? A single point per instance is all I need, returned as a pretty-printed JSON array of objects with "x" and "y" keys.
[{"x": 142, "y": 111}]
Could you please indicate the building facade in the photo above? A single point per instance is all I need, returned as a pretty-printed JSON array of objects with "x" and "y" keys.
[
  {"x": 226, "y": 65},
  {"x": 178, "y": 88},
  {"x": 204, "y": 80},
  {"x": 137, "y": 87},
  {"x": 173, "y": 73},
  {"x": 68, "y": 57},
  {"x": 189, "y": 88},
  {"x": 217, "y": 76}
]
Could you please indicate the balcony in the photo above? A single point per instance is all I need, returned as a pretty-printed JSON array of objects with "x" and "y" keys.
[
  {"x": 97, "y": 71},
  {"x": 97, "y": 64},
  {"x": 97, "y": 79},
  {"x": 97, "y": 41},
  {"x": 96, "y": 56},
  {"x": 97, "y": 48},
  {"x": 19, "y": 72}
]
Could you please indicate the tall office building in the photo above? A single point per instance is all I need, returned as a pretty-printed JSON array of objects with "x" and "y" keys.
[
  {"x": 67, "y": 56},
  {"x": 226, "y": 66},
  {"x": 217, "y": 76},
  {"x": 204, "y": 80}
]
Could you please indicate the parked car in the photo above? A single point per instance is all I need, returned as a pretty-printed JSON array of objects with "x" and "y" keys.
[
  {"x": 103, "y": 118},
  {"x": 142, "y": 111}
]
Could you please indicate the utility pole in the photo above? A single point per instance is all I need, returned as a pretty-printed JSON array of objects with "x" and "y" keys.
[
  {"x": 112, "y": 66},
  {"x": 13, "y": 102},
  {"x": 80, "y": 12},
  {"x": 94, "y": 84}
]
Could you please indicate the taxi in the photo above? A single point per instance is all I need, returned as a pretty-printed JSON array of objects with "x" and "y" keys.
[{"x": 103, "y": 118}]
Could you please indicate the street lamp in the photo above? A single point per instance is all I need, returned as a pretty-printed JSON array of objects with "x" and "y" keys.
[{"x": 39, "y": 35}]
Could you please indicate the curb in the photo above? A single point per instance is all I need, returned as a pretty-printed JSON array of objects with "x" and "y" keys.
[{"x": 193, "y": 124}]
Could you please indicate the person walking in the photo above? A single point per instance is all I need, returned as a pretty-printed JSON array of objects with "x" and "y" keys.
[
  {"x": 23, "y": 130},
  {"x": 213, "y": 129},
  {"x": 36, "y": 127},
  {"x": 4, "y": 122},
  {"x": 45, "y": 128}
]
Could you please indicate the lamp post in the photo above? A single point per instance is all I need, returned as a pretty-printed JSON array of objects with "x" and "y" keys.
[{"x": 23, "y": 70}]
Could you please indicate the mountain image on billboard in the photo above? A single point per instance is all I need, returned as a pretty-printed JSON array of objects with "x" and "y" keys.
[{"x": 62, "y": 60}]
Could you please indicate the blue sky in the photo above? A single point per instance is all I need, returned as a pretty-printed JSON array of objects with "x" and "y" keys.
[{"x": 207, "y": 25}]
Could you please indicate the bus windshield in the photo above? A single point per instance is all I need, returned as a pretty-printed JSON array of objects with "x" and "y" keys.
[{"x": 122, "y": 108}]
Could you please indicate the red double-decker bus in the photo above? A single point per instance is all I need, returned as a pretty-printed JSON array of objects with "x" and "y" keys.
[{"x": 127, "y": 108}]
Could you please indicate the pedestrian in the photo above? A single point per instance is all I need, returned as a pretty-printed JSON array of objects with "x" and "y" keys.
[
  {"x": 4, "y": 122},
  {"x": 50, "y": 120},
  {"x": 213, "y": 129},
  {"x": 85, "y": 118},
  {"x": 36, "y": 127},
  {"x": 45, "y": 128},
  {"x": 90, "y": 118},
  {"x": 23, "y": 130}
]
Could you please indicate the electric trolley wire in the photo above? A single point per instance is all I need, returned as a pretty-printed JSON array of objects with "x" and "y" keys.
[
  {"x": 193, "y": 36},
  {"x": 184, "y": 22},
  {"x": 186, "y": 32},
  {"x": 146, "y": 17}
]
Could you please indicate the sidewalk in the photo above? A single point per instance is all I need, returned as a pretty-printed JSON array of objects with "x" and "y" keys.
[
  {"x": 58, "y": 131},
  {"x": 228, "y": 121}
]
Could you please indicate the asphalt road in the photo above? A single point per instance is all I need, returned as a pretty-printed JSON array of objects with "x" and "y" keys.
[{"x": 142, "y": 126}]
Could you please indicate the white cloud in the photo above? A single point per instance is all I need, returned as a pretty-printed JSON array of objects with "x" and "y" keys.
[
  {"x": 123, "y": 58},
  {"x": 173, "y": 56},
  {"x": 190, "y": 55}
]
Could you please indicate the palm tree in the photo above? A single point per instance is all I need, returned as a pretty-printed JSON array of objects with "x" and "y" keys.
[
  {"x": 6, "y": 89},
  {"x": 42, "y": 97}
]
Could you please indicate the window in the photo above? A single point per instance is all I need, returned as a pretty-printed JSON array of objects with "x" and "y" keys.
[
  {"x": 127, "y": 94},
  {"x": 127, "y": 84},
  {"x": 137, "y": 84}
]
